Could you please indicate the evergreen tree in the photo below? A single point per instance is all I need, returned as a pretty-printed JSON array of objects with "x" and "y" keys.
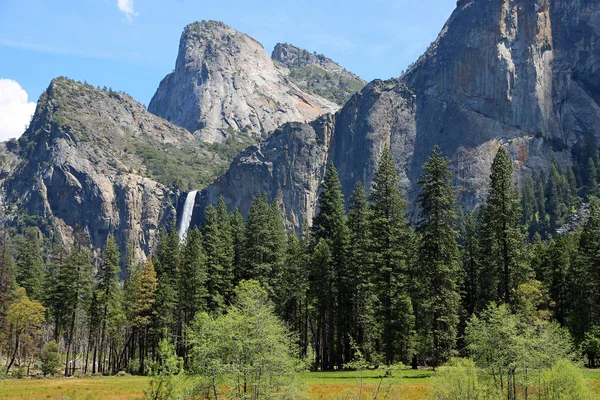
[
  {"x": 322, "y": 281},
  {"x": 238, "y": 232},
  {"x": 438, "y": 268},
  {"x": 294, "y": 291},
  {"x": 504, "y": 255},
  {"x": 391, "y": 242},
  {"x": 556, "y": 197},
  {"x": 108, "y": 298},
  {"x": 529, "y": 206},
  {"x": 265, "y": 242},
  {"x": 7, "y": 279},
  {"x": 587, "y": 274},
  {"x": 56, "y": 284},
  {"x": 470, "y": 264},
  {"x": 591, "y": 177},
  {"x": 143, "y": 289},
  {"x": 75, "y": 277},
  {"x": 360, "y": 267},
  {"x": 330, "y": 224},
  {"x": 218, "y": 246},
  {"x": 193, "y": 295},
  {"x": 167, "y": 264},
  {"x": 29, "y": 264}
]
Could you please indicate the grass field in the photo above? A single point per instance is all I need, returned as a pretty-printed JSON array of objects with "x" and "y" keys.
[{"x": 412, "y": 385}]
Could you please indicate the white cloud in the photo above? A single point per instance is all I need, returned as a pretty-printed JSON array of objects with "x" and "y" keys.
[
  {"x": 126, "y": 7},
  {"x": 15, "y": 110}
]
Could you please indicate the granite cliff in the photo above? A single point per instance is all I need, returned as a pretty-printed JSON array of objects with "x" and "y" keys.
[
  {"x": 97, "y": 160},
  {"x": 513, "y": 73},
  {"x": 225, "y": 86}
]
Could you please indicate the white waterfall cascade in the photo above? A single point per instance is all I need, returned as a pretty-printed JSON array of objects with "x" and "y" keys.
[{"x": 186, "y": 216}]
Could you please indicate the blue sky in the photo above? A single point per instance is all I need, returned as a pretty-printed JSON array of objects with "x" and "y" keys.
[{"x": 130, "y": 45}]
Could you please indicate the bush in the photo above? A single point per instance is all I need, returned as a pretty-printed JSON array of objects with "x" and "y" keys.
[
  {"x": 564, "y": 381},
  {"x": 50, "y": 359},
  {"x": 459, "y": 380}
]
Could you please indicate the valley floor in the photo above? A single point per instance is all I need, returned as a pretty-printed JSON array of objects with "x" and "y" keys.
[{"x": 413, "y": 385}]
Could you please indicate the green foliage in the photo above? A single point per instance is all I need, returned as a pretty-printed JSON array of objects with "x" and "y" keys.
[
  {"x": 564, "y": 381},
  {"x": 29, "y": 263},
  {"x": 514, "y": 349},
  {"x": 591, "y": 345},
  {"x": 220, "y": 253},
  {"x": 166, "y": 373},
  {"x": 24, "y": 319},
  {"x": 247, "y": 351},
  {"x": 264, "y": 244},
  {"x": 438, "y": 298},
  {"x": 330, "y": 225},
  {"x": 7, "y": 280},
  {"x": 335, "y": 87},
  {"x": 391, "y": 249},
  {"x": 460, "y": 380},
  {"x": 503, "y": 250},
  {"x": 50, "y": 358}
]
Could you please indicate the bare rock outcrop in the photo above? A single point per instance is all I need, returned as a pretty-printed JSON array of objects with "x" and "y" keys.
[
  {"x": 97, "y": 161},
  {"x": 520, "y": 74},
  {"x": 226, "y": 86}
]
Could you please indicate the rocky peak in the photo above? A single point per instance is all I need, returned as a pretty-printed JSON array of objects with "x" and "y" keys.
[
  {"x": 523, "y": 75},
  {"x": 318, "y": 74},
  {"x": 226, "y": 86},
  {"x": 97, "y": 160}
]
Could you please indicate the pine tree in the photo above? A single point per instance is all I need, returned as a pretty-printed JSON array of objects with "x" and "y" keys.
[
  {"x": 108, "y": 299},
  {"x": 587, "y": 273},
  {"x": 438, "y": 268},
  {"x": 193, "y": 294},
  {"x": 294, "y": 291},
  {"x": 591, "y": 177},
  {"x": 361, "y": 271},
  {"x": 556, "y": 197},
  {"x": 238, "y": 232},
  {"x": 143, "y": 287},
  {"x": 391, "y": 242},
  {"x": 167, "y": 264},
  {"x": 29, "y": 264},
  {"x": 330, "y": 224},
  {"x": 322, "y": 281},
  {"x": 56, "y": 284},
  {"x": 218, "y": 246},
  {"x": 75, "y": 277},
  {"x": 470, "y": 264},
  {"x": 504, "y": 255},
  {"x": 265, "y": 242},
  {"x": 7, "y": 279}
]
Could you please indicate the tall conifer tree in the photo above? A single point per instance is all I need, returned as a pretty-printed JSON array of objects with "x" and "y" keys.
[
  {"x": 504, "y": 254},
  {"x": 391, "y": 246},
  {"x": 438, "y": 267},
  {"x": 330, "y": 224}
]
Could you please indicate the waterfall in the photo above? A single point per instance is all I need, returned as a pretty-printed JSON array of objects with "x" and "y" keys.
[{"x": 186, "y": 216}]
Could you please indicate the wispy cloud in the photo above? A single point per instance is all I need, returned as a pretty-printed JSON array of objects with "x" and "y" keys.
[
  {"x": 40, "y": 48},
  {"x": 126, "y": 7}
]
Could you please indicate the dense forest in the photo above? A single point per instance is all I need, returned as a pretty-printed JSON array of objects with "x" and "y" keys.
[{"x": 360, "y": 283}]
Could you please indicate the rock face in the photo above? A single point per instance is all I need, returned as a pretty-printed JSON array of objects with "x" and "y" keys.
[
  {"x": 89, "y": 159},
  {"x": 520, "y": 74},
  {"x": 288, "y": 166},
  {"x": 318, "y": 74},
  {"x": 226, "y": 86}
]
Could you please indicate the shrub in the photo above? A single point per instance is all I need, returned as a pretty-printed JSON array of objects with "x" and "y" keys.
[
  {"x": 50, "y": 359},
  {"x": 564, "y": 381},
  {"x": 459, "y": 380}
]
